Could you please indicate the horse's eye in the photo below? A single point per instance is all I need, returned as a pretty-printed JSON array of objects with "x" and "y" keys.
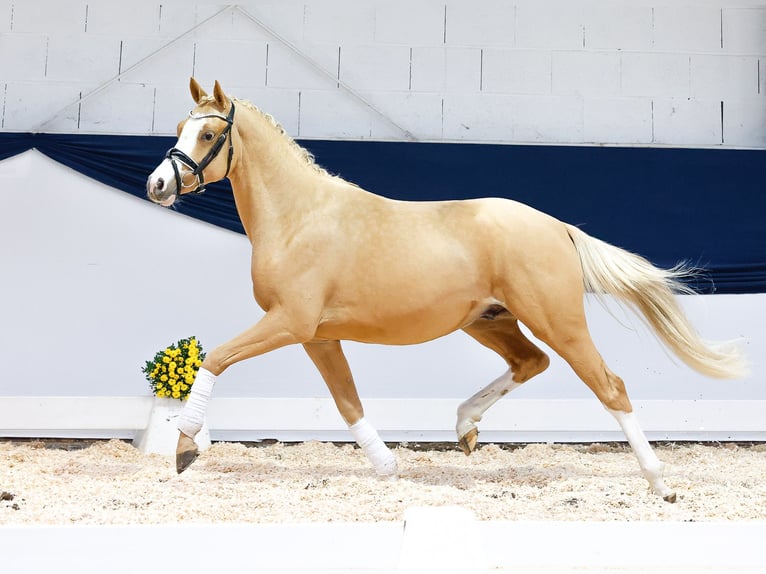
[{"x": 208, "y": 136}]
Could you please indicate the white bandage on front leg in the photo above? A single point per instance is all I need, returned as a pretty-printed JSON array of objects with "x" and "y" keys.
[
  {"x": 193, "y": 415},
  {"x": 376, "y": 450}
]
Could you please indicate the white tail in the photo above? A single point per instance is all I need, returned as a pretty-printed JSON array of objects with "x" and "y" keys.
[{"x": 610, "y": 270}]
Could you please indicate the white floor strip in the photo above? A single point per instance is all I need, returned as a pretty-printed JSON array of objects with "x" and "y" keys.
[{"x": 452, "y": 541}]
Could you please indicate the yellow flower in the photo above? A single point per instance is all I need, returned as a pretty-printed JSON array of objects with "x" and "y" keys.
[
  {"x": 164, "y": 378},
  {"x": 176, "y": 395}
]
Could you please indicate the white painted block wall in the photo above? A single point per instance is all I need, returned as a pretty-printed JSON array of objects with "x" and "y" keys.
[{"x": 649, "y": 72}]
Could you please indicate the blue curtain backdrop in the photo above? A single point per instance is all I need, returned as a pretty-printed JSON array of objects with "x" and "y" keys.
[{"x": 703, "y": 206}]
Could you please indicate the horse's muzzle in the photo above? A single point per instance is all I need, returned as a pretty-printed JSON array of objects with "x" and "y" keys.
[{"x": 161, "y": 189}]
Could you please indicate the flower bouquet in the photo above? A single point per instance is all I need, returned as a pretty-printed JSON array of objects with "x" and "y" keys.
[{"x": 171, "y": 373}]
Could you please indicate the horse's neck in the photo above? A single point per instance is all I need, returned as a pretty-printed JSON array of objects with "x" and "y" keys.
[{"x": 274, "y": 188}]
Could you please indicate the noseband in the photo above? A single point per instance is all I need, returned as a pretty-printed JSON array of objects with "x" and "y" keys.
[{"x": 175, "y": 154}]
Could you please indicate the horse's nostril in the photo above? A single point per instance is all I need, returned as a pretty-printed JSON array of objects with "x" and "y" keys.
[{"x": 160, "y": 185}]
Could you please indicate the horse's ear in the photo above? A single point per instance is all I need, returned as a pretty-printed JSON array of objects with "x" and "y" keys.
[
  {"x": 220, "y": 97},
  {"x": 197, "y": 93}
]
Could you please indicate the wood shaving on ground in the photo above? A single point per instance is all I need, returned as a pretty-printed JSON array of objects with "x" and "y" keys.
[{"x": 111, "y": 482}]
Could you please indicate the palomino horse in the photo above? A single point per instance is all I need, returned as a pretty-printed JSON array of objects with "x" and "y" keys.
[{"x": 332, "y": 262}]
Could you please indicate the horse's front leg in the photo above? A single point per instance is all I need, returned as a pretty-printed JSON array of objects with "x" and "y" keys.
[
  {"x": 274, "y": 330},
  {"x": 331, "y": 362}
]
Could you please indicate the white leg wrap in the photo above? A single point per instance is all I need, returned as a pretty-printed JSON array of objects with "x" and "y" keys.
[
  {"x": 193, "y": 415},
  {"x": 376, "y": 450},
  {"x": 472, "y": 410},
  {"x": 651, "y": 466}
]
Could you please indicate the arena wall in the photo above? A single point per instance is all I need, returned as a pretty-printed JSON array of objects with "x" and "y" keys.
[
  {"x": 95, "y": 281},
  {"x": 651, "y": 72}
]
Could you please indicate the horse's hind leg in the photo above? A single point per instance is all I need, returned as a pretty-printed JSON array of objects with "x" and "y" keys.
[
  {"x": 329, "y": 359},
  {"x": 564, "y": 328},
  {"x": 582, "y": 355},
  {"x": 501, "y": 333}
]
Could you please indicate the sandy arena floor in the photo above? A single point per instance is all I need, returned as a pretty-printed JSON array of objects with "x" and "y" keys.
[{"x": 111, "y": 482}]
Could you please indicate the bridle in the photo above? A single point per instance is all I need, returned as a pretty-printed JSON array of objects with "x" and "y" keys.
[{"x": 175, "y": 154}]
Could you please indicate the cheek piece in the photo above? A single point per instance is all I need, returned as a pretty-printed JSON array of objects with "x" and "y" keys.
[{"x": 175, "y": 155}]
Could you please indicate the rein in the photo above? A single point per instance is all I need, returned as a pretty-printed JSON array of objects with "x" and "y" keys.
[{"x": 175, "y": 154}]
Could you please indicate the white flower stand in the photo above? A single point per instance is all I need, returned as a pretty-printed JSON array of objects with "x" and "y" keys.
[{"x": 161, "y": 433}]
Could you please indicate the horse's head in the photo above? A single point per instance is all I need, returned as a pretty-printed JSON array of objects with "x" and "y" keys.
[{"x": 201, "y": 153}]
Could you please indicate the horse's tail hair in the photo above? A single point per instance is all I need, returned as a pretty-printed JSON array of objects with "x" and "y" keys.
[{"x": 609, "y": 270}]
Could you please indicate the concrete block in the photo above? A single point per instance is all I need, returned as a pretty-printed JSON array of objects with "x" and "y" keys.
[
  {"x": 586, "y": 73},
  {"x": 214, "y": 61},
  {"x": 337, "y": 114},
  {"x": 516, "y": 71},
  {"x": 29, "y": 104},
  {"x": 446, "y": 69},
  {"x": 722, "y": 76},
  {"x": 549, "y": 25},
  {"x": 744, "y": 123},
  {"x": 687, "y": 28},
  {"x": 120, "y": 108},
  {"x": 82, "y": 57},
  {"x": 617, "y": 120},
  {"x": 283, "y": 18},
  {"x": 23, "y": 57},
  {"x": 375, "y": 67},
  {"x": 6, "y": 17},
  {"x": 509, "y": 118},
  {"x": 331, "y": 113},
  {"x": 176, "y": 18},
  {"x": 339, "y": 22},
  {"x": 478, "y": 117},
  {"x": 140, "y": 18},
  {"x": 480, "y": 24},
  {"x": 231, "y": 25},
  {"x": 63, "y": 17},
  {"x": 172, "y": 103},
  {"x": 660, "y": 75},
  {"x": 428, "y": 69},
  {"x": 548, "y": 119},
  {"x": 286, "y": 69},
  {"x": 617, "y": 26},
  {"x": 409, "y": 23},
  {"x": 513, "y": 118},
  {"x": 282, "y": 104},
  {"x": 418, "y": 113},
  {"x": 744, "y": 30},
  {"x": 681, "y": 121},
  {"x": 159, "y": 64}
]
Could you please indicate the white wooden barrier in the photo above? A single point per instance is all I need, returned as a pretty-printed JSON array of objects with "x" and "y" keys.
[{"x": 413, "y": 420}]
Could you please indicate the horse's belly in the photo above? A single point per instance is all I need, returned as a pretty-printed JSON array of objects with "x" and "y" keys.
[{"x": 396, "y": 325}]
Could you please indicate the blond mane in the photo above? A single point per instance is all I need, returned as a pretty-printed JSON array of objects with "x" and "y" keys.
[{"x": 296, "y": 148}]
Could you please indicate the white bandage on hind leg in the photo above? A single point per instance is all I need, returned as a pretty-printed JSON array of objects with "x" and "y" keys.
[
  {"x": 193, "y": 415},
  {"x": 376, "y": 450}
]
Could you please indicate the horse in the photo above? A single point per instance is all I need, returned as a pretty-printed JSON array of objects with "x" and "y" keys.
[{"x": 333, "y": 262}]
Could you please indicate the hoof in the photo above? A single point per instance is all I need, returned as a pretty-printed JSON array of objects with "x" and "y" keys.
[
  {"x": 671, "y": 498},
  {"x": 468, "y": 441},
  {"x": 186, "y": 453}
]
